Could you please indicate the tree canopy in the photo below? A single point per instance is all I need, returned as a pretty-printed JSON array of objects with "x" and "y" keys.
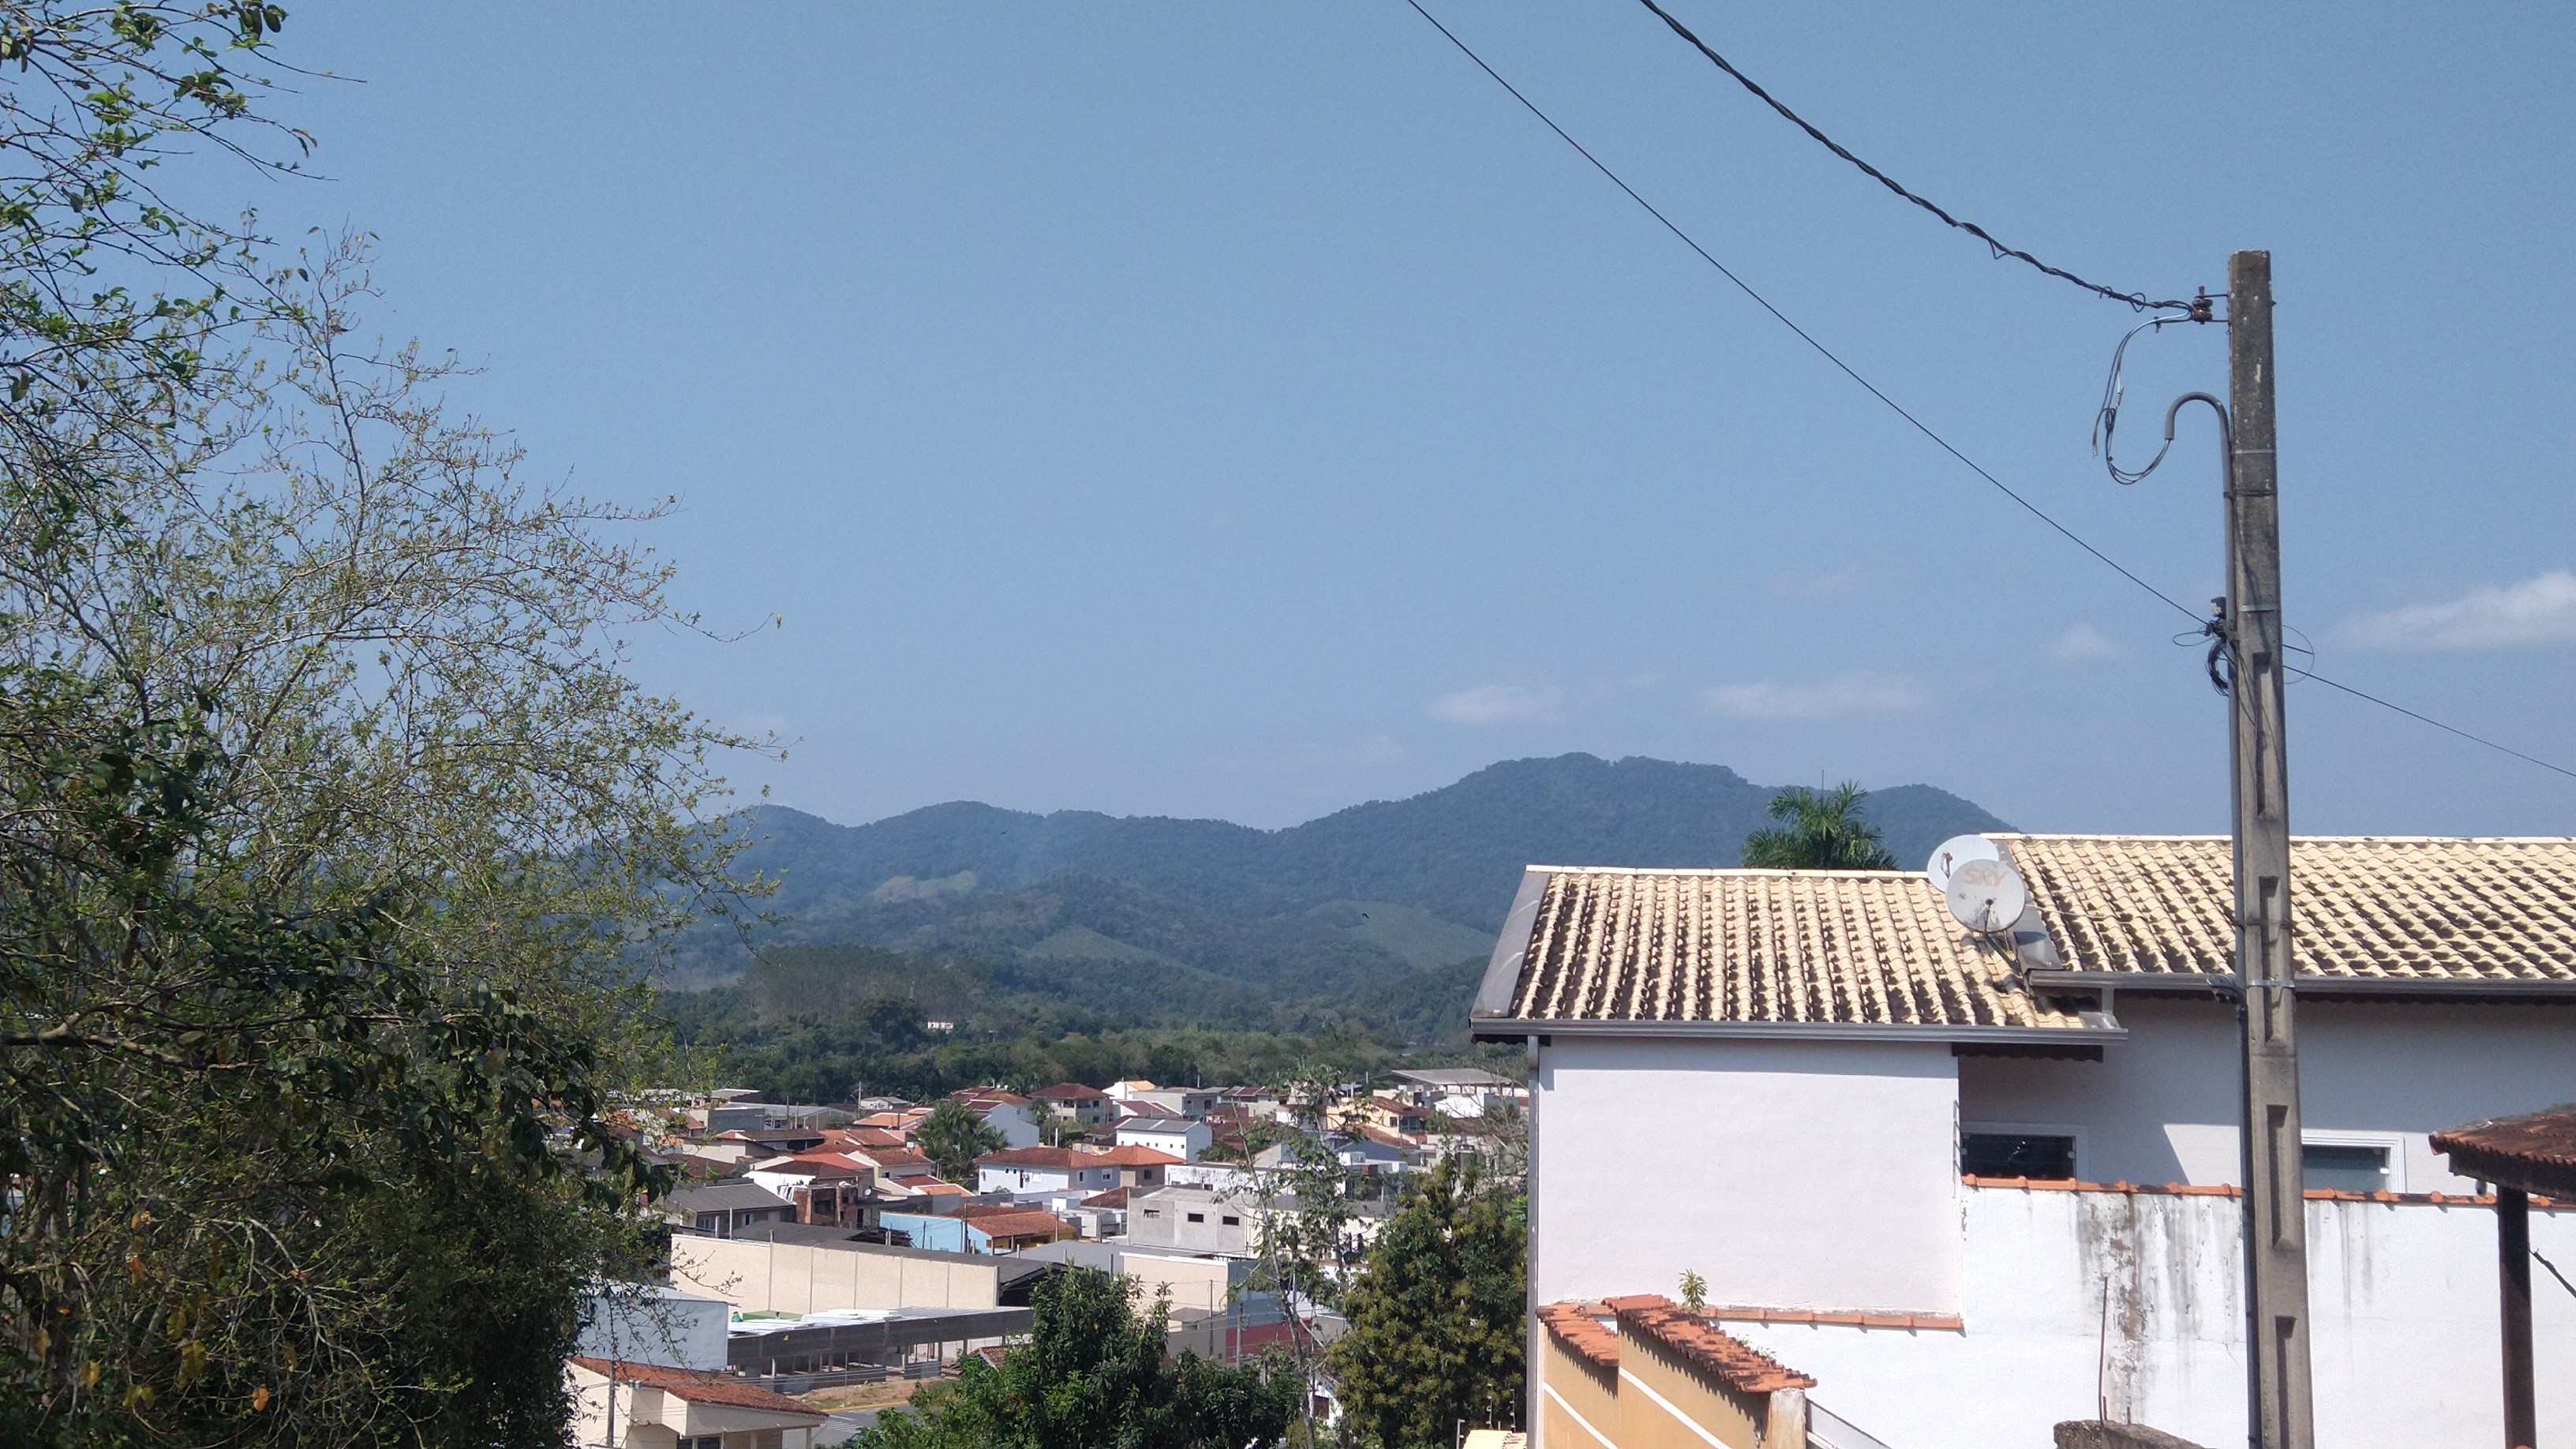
[
  {"x": 1437, "y": 1313},
  {"x": 952, "y": 1137},
  {"x": 1820, "y": 832},
  {"x": 332, "y": 827},
  {"x": 1094, "y": 1373}
]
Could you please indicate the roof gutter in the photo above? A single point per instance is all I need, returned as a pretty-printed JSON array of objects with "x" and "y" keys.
[
  {"x": 2199, "y": 983},
  {"x": 1493, "y": 1028}
]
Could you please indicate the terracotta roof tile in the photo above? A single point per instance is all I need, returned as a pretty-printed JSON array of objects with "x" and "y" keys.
[
  {"x": 2535, "y": 1152},
  {"x": 701, "y": 1388},
  {"x": 1772, "y": 947},
  {"x": 1713, "y": 1350},
  {"x": 1582, "y": 1335},
  {"x": 2384, "y": 908},
  {"x": 1761, "y": 947}
]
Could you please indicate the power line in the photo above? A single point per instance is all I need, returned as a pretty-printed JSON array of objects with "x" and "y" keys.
[
  {"x": 1893, "y": 406},
  {"x": 1803, "y": 335},
  {"x": 2138, "y": 300},
  {"x": 2296, "y": 673}
]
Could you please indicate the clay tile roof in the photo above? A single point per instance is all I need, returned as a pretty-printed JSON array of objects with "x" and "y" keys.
[
  {"x": 2382, "y": 908},
  {"x": 1132, "y": 1156},
  {"x": 1763, "y": 947},
  {"x": 1582, "y": 1336},
  {"x": 1070, "y": 1092},
  {"x": 1711, "y": 1349},
  {"x": 701, "y": 1388},
  {"x": 1790, "y": 948},
  {"x": 1115, "y": 1197},
  {"x": 1014, "y": 1222},
  {"x": 2535, "y": 1152}
]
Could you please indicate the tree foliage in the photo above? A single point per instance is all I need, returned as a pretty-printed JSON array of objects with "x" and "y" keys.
[
  {"x": 1094, "y": 1373},
  {"x": 1820, "y": 832},
  {"x": 1437, "y": 1314},
  {"x": 953, "y": 1136},
  {"x": 330, "y": 824}
]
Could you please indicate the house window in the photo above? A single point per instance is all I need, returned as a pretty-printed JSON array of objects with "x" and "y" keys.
[
  {"x": 1198, "y": 1217},
  {"x": 1232, "y": 1221},
  {"x": 2016, "y": 1154},
  {"x": 1153, "y": 1212},
  {"x": 2345, "y": 1166}
]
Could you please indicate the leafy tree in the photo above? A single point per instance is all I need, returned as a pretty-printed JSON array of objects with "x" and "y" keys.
[
  {"x": 1822, "y": 832},
  {"x": 952, "y": 1137},
  {"x": 1437, "y": 1314},
  {"x": 1094, "y": 1373},
  {"x": 331, "y": 828}
]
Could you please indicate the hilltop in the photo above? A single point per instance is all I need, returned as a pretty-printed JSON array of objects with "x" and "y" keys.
[{"x": 1209, "y": 920}]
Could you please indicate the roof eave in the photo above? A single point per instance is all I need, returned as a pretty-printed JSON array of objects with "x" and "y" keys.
[{"x": 1501, "y": 1028}]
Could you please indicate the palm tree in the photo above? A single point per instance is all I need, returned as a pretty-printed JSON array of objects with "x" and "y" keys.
[{"x": 1823, "y": 832}]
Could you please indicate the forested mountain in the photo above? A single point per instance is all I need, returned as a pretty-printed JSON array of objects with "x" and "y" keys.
[{"x": 1221, "y": 917}]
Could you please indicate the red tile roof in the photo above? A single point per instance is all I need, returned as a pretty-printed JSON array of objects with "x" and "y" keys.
[
  {"x": 1712, "y": 1350},
  {"x": 1132, "y": 1156},
  {"x": 991, "y": 1095},
  {"x": 1582, "y": 1336},
  {"x": 1071, "y": 1092},
  {"x": 701, "y": 1388},
  {"x": 2535, "y": 1152},
  {"x": 1115, "y": 1197},
  {"x": 1003, "y": 1222}
]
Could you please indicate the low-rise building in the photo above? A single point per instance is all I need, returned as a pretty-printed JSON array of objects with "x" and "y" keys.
[
  {"x": 720, "y": 1209},
  {"x": 649, "y": 1406},
  {"x": 1980, "y": 1184},
  {"x": 1088, "y": 1106},
  {"x": 1182, "y": 1138},
  {"x": 1192, "y": 1220}
]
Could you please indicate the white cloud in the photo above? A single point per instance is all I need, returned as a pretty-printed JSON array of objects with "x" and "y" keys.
[
  {"x": 1489, "y": 704},
  {"x": 1844, "y": 580},
  {"x": 2082, "y": 644},
  {"x": 2536, "y": 611},
  {"x": 1847, "y": 694}
]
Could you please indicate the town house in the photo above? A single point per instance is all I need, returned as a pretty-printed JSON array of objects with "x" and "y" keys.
[{"x": 1975, "y": 1185}]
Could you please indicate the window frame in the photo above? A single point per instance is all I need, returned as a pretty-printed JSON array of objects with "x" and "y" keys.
[
  {"x": 2393, "y": 1144},
  {"x": 2083, "y": 1166}
]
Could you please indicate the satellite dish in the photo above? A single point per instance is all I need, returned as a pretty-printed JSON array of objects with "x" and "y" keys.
[
  {"x": 1954, "y": 852},
  {"x": 1987, "y": 895}
]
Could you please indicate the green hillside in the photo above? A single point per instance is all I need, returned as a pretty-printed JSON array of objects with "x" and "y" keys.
[{"x": 1380, "y": 911}]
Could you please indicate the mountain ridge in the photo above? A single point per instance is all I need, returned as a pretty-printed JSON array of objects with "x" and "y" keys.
[{"x": 1322, "y": 908}]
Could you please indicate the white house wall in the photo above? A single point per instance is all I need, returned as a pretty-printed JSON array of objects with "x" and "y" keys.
[
  {"x": 2161, "y": 1105},
  {"x": 2402, "y": 1299},
  {"x": 1787, "y": 1174}
]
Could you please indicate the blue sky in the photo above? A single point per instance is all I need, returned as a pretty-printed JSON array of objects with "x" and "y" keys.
[{"x": 1249, "y": 410}]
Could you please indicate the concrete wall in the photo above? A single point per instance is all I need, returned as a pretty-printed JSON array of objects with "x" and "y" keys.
[
  {"x": 1161, "y": 1219},
  {"x": 1791, "y": 1175},
  {"x": 2161, "y": 1106},
  {"x": 764, "y": 1277},
  {"x": 1578, "y": 1403},
  {"x": 2135, "y": 1297},
  {"x": 1665, "y": 1404}
]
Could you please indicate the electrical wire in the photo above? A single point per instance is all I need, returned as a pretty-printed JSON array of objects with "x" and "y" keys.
[
  {"x": 2296, "y": 673},
  {"x": 1822, "y": 350},
  {"x": 1920, "y": 426},
  {"x": 2138, "y": 300}
]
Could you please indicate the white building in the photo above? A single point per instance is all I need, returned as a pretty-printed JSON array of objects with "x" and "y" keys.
[
  {"x": 1192, "y": 1220},
  {"x": 1976, "y": 1187},
  {"x": 1181, "y": 1137}
]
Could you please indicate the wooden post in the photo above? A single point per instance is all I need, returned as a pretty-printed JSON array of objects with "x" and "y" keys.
[
  {"x": 2280, "y": 1408},
  {"x": 2513, "y": 1281}
]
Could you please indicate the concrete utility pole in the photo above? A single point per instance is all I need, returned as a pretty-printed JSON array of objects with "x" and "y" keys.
[{"x": 2280, "y": 1412}]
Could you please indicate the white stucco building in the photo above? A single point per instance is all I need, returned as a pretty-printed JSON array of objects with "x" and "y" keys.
[{"x": 1975, "y": 1187}]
